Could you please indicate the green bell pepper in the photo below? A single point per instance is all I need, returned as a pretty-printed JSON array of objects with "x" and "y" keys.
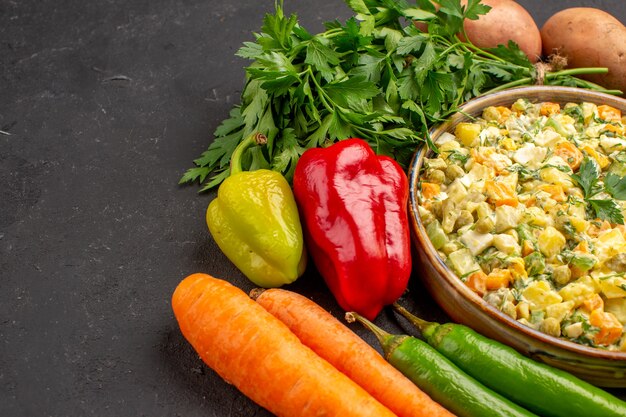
[{"x": 255, "y": 222}]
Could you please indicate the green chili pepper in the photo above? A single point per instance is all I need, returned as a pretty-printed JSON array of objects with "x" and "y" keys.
[
  {"x": 255, "y": 222},
  {"x": 437, "y": 376},
  {"x": 545, "y": 390}
]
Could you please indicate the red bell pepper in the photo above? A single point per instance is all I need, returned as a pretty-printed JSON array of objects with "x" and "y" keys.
[{"x": 353, "y": 204}]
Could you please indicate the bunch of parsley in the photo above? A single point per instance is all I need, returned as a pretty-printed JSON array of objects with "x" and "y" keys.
[{"x": 376, "y": 77}]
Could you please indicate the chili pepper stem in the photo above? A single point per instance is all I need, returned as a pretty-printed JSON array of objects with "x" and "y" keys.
[
  {"x": 387, "y": 341},
  {"x": 427, "y": 328},
  {"x": 252, "y": 139}
]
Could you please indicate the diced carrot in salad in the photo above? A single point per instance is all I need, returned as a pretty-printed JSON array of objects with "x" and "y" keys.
[
  {"x": 430, "y": 189},
  {"x": 498, "y": 278},
  {"x": 548, "y": 109},
  {"x": 570, "y": 154},
  {"x": 555, "y": 190},
  {"x": 499, "y": 193},
  {"x": 477, "y": 281},
  {"x": 609, "y": 113},
  {"x": 610, "y": 329}
]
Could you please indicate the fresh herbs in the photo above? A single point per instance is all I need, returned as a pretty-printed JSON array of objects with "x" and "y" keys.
[
  {"x": 376, "y": 77},
  {"x": 613, "y": 186}
]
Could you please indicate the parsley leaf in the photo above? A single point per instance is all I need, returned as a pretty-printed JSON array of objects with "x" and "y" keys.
[
  {"x": 615, "y": 185},
  {"x": 587, "y": 177},
  {"x": 322, "y": 57},
  {"x": 607, "y": 210},
  {"x": 474, "y": 9},
  {"x": 350, "y": 90},
  {"x": 193, "y": 174}
]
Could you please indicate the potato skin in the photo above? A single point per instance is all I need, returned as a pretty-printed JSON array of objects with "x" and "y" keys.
[
  {"x": 507, "y": 20},
  {"x": 588, "y": 37}
]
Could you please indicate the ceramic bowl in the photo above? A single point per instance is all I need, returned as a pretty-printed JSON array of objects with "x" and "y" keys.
[{"x": 600, "y": 367}]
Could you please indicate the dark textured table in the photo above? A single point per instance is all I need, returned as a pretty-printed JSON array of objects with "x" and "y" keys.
[{"x": 103, "y": 105}]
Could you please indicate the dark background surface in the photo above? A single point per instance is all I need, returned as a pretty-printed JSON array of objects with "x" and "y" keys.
[{"x": 105, "y": 105}]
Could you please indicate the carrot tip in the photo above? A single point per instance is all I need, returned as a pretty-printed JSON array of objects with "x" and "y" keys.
[{"x": 256, "y": 293}]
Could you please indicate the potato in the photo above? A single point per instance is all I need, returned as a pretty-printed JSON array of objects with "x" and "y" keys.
[
  {"x": 588, "y": 37},
  {"x": 506, "y": 21}
]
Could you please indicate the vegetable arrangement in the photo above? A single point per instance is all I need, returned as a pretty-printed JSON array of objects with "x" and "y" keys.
[
  {"x": 376, "y": 77},
  {"x": 515, "y": 376},
  {"x": 386, "y": 76}
]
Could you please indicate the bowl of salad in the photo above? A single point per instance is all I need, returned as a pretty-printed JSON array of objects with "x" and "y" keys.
[{"x": 518, "y": 219}]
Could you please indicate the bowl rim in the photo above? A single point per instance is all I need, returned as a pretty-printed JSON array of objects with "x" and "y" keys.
[{"x": 437, "y": 262}]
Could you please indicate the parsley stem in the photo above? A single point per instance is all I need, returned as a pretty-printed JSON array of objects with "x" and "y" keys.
[
  {"x": 320, "y": 91},
  {"x": 516, "y": 83},
  {"x": 551, "y": 76},
  {"x": 470, "y": 47}
]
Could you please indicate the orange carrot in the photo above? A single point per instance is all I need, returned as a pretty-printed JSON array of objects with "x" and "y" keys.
[
  {"x": 556, "y": 191},
  {"x": 477, "y": 281},
  {"x": 609, "y": 113},
  {"x": 430, "y": 189},
  {"x": 570, "y": 154},
  {"x": 548, "y": 108},
  {"x": 609, "y": 327},
  {"x": 257, "y": 353},
  {"x": 499, "y": 193},
  {"x": 343, "y": 348},
  {"x": 498, "y": 278}
]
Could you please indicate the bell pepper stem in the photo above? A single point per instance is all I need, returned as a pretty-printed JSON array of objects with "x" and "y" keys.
[
  {"x": 427, "y": 328},
  {"x": 252, "y": 139}
]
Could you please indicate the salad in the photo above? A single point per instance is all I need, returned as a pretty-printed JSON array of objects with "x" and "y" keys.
[{"x": 526, "y": 205}]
